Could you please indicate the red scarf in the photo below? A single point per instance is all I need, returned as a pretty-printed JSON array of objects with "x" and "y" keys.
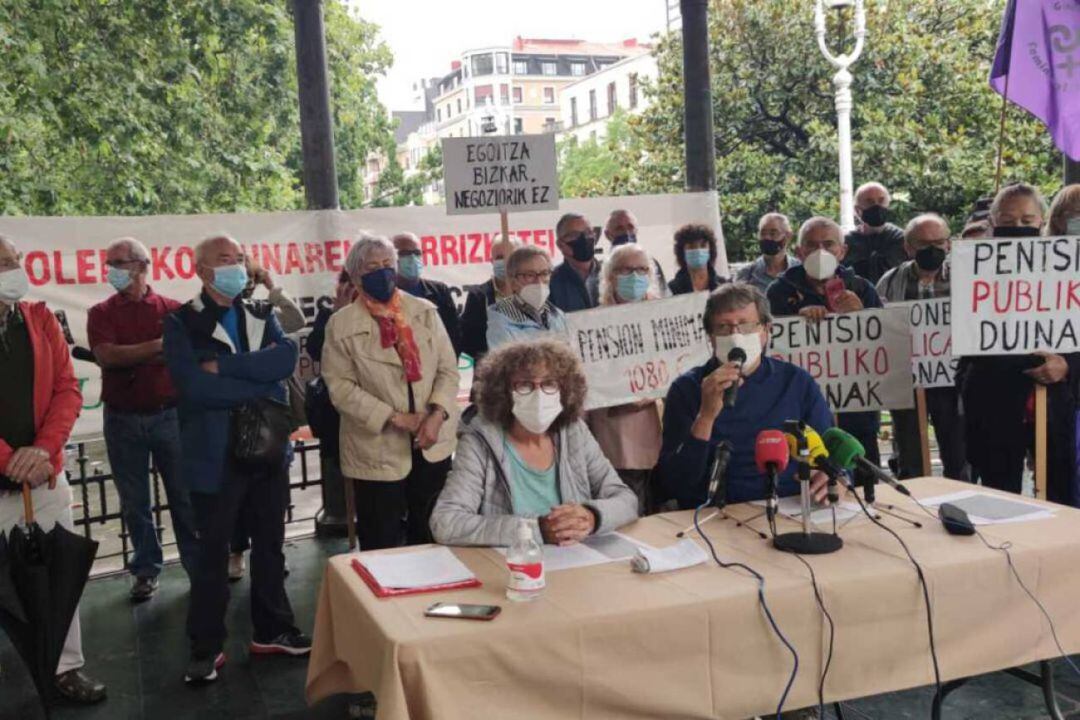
[{"x": 394, "y": 331}]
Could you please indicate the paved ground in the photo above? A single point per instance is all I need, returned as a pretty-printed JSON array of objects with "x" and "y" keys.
[{"x": 140, "y": 651}]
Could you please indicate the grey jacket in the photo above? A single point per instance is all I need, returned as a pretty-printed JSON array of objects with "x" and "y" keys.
[{"x": 475, "y": 507}]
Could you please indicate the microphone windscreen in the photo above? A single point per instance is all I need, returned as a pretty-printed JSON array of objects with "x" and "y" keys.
[
  {"x": 843, "y": 447},
  {"x": 771, "y": 448},
  {"x": 815, "y": 445},
  {"x": 736, "y": 355}
]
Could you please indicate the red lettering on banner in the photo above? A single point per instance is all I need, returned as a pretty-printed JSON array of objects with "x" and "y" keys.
[
  {"x": 861, "y": 368},
  {"x": 1023, "y": 297},
  {"x": 462, "y": 254},
  {"x": 39, "y": 258},
  {"x": 313, "y": 255},
  {"x": 159, "y": 265},
  {"x": 429, "y": 246},
  {"x": 331, "y": 248},
  {"x": 980, "y": 292},
  {"x": 448, "y": 246},
  {"x": 813, "y": 364},
  {"x": 488, "y": 239},
  {"x": 185, "y": 262},
  {"x": 58, "y": 263},
  {"x": 524, "y": 236},
  {"x": 475, "y": 241},
  {"x": 84, "y": 266},
  {"x": 1039, "y": 299},
  {"x": 1074, "y": 295},
  {"x": 271, "y": 258},
  {"x": 934, "y": 344},
  {"x": 292, "y": 258},
  {"x": 551, "y": 240}
]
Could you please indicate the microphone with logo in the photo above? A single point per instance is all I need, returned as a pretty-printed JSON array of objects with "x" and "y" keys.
[
  {"x": 805, "y": 448},
  {"x": 736, "y": 355},
  {"x": 771, "y": 458}
]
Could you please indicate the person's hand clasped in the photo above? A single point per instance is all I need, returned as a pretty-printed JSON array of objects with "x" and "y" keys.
[
  {"x": 819, "y": 489},
  {"x": 815, "y": 313},
  {"x": 567, "y": 524},
  {"x": 428, "y": 432},
  {"x": 1053, "y": 370},
  {"x": 406, "y": 422},
  {"x": 848, "y": 302},
  {"x": 30, "y": 465},
  {"x": 209, "y": 366}
]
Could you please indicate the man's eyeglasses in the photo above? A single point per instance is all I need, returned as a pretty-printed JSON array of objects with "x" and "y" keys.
[
  {"x": 638, "y": 270},
  {"x": 524, "y": 387},
  {"x": 530, "y": 277},
  {"x": 743, "y": 328}
]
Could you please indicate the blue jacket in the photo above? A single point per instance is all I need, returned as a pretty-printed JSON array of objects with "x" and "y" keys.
[
  {"x": 193, "y": 334},
  {"x": 570, "y": 293},
  {"x": 775, "y": 392}
]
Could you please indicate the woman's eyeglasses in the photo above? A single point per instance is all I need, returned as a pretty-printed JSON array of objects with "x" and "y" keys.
[{"x": 525, "y": 387}]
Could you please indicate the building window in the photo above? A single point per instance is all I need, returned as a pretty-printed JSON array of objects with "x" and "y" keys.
[
  {"x": 504, "y": 94},
  {"x": 592, "y": 104},
  {"x": 549, "y": 68},
  {"x": 517, "y": 95},
  {"x": 549, "y": 124},
  {"x": 481, "y": 64},
  {"x": 518, "y": 126},
  {"x": 482, "y": 94},
  {"x": 502, "y": 63},
  {"x": 633, "y": 90},
  {"x": 438, "y": 114},
  {"x": 612, "y": 99},
  {"x": 577, "y": 69},
  {"x": 459, "y": 106},
  {"x": 549, "y": 96},
  {"x": 521, "y": 67},
  {"x": 573, "y": 112}
]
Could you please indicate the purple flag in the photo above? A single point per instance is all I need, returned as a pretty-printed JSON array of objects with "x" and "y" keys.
[{"x": 1038, "y": 58}]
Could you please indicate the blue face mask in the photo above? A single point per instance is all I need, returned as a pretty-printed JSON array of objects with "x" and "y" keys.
[
  {"x": 119, "y": 278},
  {"x": 632, "y": 287},
  {"x": 378, "y": 284},
  {"x": 230, "y": 280},
  {"x": 697, "y": 258},
  {"x": 409, "y": 266},
  {"x": 498, "y": 269}
]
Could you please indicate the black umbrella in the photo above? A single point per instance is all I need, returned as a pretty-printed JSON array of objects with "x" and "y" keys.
[{"x": 42, "y": 576}]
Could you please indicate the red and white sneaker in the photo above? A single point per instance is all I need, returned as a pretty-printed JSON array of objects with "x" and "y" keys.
[
  {"x": 204, "y": 670},
  {"x": 293, "y": 643}
]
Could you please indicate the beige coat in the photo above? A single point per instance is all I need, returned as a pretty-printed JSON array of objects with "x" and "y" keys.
[{"x": 367, "y": 386}]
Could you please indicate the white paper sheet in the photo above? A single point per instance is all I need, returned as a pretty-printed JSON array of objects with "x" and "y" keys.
[
  {"x": 791, "y": 507},
  {"x": 683, "y": 554},
  {"x": 997, "y": 510},
  {"x": 416, "y": 569}
]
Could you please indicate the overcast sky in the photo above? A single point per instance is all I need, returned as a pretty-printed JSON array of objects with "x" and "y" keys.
[{"x": 425, "y": 35}]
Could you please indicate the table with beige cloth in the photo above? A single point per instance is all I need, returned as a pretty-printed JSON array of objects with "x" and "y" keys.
[{"x": 603, "y": 642}]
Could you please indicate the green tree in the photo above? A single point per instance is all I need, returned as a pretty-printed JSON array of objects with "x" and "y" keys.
[
  {"x": 165, "y": 107},
  {"x": 394, "y": 188},
  {"x": 598, "y": 166},
  {"x": 925, "y": 122}
]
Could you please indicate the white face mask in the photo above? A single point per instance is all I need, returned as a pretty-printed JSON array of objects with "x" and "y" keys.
[
  {"x": 535, "y": 295},
  {"x": 750, "y": 343},
  {"x": 14, "y": 284},
  {"x": 821, "y": 264},
  {"x": 537, "y": 410}
]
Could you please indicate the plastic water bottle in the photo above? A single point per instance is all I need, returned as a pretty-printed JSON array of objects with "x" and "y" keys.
[{"x": 526, "y": 563}]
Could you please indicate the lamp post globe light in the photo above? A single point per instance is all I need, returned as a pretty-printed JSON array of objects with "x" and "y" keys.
[{"x": 842, "y": 82}]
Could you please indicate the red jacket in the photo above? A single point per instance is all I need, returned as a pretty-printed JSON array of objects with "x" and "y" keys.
[{"x": 57, "y": 400}]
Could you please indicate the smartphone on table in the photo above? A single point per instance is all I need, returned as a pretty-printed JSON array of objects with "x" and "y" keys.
[{"x": 463, "y": 611}]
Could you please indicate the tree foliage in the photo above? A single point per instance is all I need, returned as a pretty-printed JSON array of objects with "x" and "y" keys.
[
  {"x": 112, "y": 107},
  {"x": 396, "y": 188},
  {"x": 925, "y": 122}
]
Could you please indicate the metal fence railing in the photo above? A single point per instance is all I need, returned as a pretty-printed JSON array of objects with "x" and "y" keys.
[{"x": 96, "y": 502}]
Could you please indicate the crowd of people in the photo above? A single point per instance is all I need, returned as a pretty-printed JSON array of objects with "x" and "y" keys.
[{"x": 203, "y": 388}]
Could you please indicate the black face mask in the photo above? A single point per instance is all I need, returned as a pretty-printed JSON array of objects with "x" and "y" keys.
[
  {"x": 583, "y": 247},
  {"x": 875, "y": 215},
  {"x": 930, "y": 258},
  {"x": 623, "y": 239},
  {"x": 770, "y": 247},
  {"x": 1016, "y": 232}
]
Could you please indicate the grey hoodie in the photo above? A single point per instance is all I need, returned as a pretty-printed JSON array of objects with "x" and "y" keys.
[{"x": 475, "y": 506}]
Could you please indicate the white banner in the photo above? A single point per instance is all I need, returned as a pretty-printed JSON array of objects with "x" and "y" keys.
[
  {"x": 932, "y": 362},
  {"x": 488, "y": 174},
  {"x": 862, "y": 360},
  {"x": 634, "y": 351},
  {"x": 1016, "y": 295},
  {"x": 64, "y": 256}
]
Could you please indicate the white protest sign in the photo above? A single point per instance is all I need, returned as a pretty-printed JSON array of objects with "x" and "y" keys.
[
  {"x": 1016, "y": 295},
  {"x": 490, "y": 174},
  {"x": 862, "y": 360},
  {"x": 634, "y": 351},
  {"x": 932, "y": 362}
]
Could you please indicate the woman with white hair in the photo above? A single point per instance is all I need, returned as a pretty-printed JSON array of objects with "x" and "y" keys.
[
  {"x": 629, "y": 435},
  {"x": 392, "y": 375}
]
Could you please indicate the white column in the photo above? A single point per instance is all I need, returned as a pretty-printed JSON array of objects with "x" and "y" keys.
[{"x": 842, "y": 81}]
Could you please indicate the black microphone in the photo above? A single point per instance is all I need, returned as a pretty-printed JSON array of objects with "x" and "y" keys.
[
  {"x": 735, "y": 355},
  {"x": 721, "y": 457},
  {"x": 869, "y": 469}
]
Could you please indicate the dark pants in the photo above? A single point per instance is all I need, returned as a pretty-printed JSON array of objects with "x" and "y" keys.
[
  {"x": 131, "y": 439},
  {"x": 385, "y": 509},
  {"x": 257, "y": 497},
  {"x": 640, "y": 481},
  {"x": 943, "y": 407},
  {"x": 864, "y": 426}
]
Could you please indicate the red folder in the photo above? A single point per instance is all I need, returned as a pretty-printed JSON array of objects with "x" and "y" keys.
[{"x": 384, "y": 592}]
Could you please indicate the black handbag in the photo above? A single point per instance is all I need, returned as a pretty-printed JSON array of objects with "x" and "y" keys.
[{"x": 260, "y": 433}]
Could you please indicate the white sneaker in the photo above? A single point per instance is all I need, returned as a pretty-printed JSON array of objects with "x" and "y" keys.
[{"x": 237, "y": 565}]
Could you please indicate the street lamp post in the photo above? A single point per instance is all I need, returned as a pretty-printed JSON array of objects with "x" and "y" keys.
[{"x": 842, "y": 82}]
